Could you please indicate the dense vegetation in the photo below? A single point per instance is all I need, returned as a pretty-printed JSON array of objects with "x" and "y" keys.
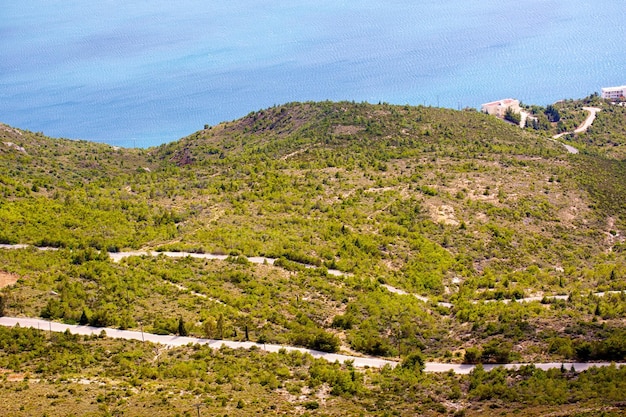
[
  {"x": 437, "y": 219},
  {"x": 68, "y": 375}
]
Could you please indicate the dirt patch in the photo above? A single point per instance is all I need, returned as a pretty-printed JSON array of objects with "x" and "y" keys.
[
  {"x": 7, "y": 279},
  {"x": 293, "y": 154},
  {"x": 12, "y": 376},
  {"x": 347, "y": 129},
  {"x": 10, "y": 129},
  {"x": 444, "y": 214}
]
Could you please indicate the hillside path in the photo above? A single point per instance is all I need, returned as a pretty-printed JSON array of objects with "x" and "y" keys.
[
  {"x": 359, "y": 361},
  {"x": 582, "y": 128}
]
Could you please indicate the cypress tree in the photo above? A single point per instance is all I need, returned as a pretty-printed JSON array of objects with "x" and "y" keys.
[
  {"x": 182, "y": 331},
  {"x": 220, "y": 326},
  {"x": 84, "y": 320}
]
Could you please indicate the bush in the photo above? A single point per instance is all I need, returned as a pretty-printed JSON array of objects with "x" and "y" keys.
[
  {"x": 343, "y": 321},
  {"x": 326, "y": 342},
  {"x": 512, "y": 116},
  {"x": 472, "y": 355},
  {"x": 414, "y": 362},
  {"x": 311, "y": 405},
  {"x": 316, "y": 339},
  {"x": 497, "y": 351}
]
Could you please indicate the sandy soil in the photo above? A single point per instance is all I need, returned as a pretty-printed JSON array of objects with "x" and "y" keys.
[
  {"x": 7, "y": 279},
  {"x": 12, "y": 376}
]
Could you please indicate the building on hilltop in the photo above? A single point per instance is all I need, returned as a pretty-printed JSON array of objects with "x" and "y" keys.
[
  {"x": 613, "y": 93},
  {"x": 499, "y": 108}
]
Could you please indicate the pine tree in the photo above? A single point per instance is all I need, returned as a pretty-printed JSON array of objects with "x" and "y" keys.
[{"x": 552, "y": 113}]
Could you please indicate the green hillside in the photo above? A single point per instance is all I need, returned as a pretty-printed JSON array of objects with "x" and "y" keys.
[{"x": 396, "y": 230}]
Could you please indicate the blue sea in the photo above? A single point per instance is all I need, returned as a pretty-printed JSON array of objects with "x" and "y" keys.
[{"x": 139, "y": 73}]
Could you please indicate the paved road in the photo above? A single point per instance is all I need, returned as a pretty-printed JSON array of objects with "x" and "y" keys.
[
  {"x": 589, "y": 120},
  {"x": 118, "y": 256},
  {"x": 582, "y": 128},
  {"x": 216, "y": 344},
  {"x": 570, "y": 148},
  {"x": 493, "y": 300},
  {"x": 419, "y": 297},
  {"x": 181, "y": 341}
]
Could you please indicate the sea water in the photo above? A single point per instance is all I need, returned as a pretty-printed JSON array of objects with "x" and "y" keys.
[{"x": 137, "y": 73}]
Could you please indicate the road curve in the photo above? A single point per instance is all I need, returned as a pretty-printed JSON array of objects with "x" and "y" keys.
[
  {"x": 589, "y": 120},
  {"x": 582, "y": 128},
  {"x": 359, "y": 361}
]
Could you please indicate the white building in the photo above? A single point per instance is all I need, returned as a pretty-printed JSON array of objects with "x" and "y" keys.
[
  {"x": 613, "y": 93},
  {"x": 498, "y": 108}
]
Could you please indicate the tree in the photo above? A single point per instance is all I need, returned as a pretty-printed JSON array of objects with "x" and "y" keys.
[
  {"x": 472, "y": 355},
  {"x": 220, "y": 326},
  {"x": 498, "y": 351},
  {"x": 414, "y": 362},
  {"x": 598, "y": 311},
  {"x": 552, "y": 113},
  {"x": 2, "y": 305},
  {"x": 182, "y": 331},
  {"x": 209, "y": 328},
  {"x": 106, "y": 315},
  {"x": 512, "y": 116},
  {"x": 540, "y": 122},
  {"x": 84, "y": 320}
]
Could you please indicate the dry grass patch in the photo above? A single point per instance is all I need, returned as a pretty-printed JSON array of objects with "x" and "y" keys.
[
  {"x": 347, "y": 130},
  {"x": 7, "y": 279}
]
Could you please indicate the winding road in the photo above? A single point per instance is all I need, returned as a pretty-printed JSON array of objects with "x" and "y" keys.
[
  {"x": 582, "y": 128},
  {"x": 359, "y": 361},
  {"x": 118, "y": 256},
  {"x": 589, "y": 120}
]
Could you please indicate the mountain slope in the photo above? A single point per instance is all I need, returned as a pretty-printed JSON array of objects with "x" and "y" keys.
[
  {"x": 396, "y": 231},
  {"x": 452, "y": 206}
]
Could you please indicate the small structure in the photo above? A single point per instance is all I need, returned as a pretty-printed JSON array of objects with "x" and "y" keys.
[
  {"x": 612, "y": 93},
  {"x": 499, "y": 108}
]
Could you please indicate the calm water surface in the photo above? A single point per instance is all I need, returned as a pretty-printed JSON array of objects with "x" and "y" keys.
[{"x": 144, "y": 73}]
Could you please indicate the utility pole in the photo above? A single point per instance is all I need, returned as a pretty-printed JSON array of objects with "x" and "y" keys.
[{"x": 198, "y": 407}]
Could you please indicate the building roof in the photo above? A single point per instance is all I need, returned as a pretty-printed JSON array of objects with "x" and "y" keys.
[
  {"x": 503, "y": 102},
  {"x": 621, "y": 87}
]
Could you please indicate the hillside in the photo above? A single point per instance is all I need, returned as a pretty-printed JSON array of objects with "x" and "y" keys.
[{"x": 430, "y": 220}]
